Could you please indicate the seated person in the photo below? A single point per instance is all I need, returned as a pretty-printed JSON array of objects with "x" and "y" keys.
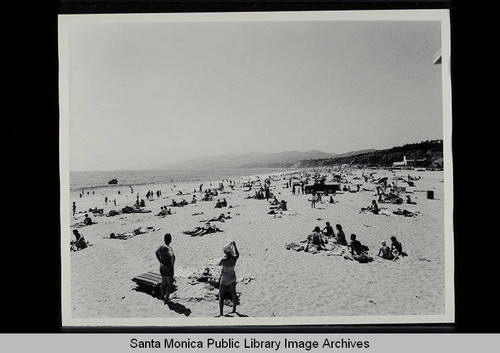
[
  {"x": 385, "y": 252},
  {"x": 331, "y": 199},
  {"x": 340, "y": 238},
  {"x": 329, "y": 230},
  {"x": 372, "y": 208},
  {"x": 218, "y": 204},
  {"x": 408, "y": 200},
  {"x": 358, "y": 251},
  {"x": 80, "y": 242},
  {"x": 164, "y": 211},
  {"x": 142, "y": 204},
  {"x": 315, "y": 239},
  {"x": 397, "y": 248},
  {"x": 194, "y": 199},
  {"x": 87, "y": 221},
  {"x": 274, "y": 201},
  {"x": 174, "y": 203}
]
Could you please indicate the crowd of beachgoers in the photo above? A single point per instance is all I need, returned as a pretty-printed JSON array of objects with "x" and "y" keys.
[{"x": 194, "y": 238}]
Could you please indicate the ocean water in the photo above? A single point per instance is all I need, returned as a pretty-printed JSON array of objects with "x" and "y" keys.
[{"x": 98, "y": 179}]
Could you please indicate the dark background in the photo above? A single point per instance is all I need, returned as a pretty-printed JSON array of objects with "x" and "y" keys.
[{"x": 31, "y": 288}]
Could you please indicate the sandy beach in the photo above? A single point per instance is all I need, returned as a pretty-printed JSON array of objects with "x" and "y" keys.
[{"x": 283, "y": 283}]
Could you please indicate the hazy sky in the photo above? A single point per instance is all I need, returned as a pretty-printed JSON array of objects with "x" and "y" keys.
[{"x": 143, "y": 95}]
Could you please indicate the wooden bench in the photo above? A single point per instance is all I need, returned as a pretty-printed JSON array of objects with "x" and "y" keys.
[{"x": 150, "y": 282}]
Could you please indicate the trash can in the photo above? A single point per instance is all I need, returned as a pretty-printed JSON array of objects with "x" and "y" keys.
[{"x": 430, "y": 194}]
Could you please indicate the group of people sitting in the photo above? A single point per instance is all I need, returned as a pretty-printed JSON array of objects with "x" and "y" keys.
[
  {"x": 318, "y": 238},
  {"x": 179, "y": 204},
  {"x": 389, "y": 197},
  {"x": 278, "y": 206},
  {"x": 164, "y": 211}
]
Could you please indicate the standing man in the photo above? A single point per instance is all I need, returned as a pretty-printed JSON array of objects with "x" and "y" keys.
[
  {"x": 74, "y": 207},
  {"x": 166, "y": 257}
]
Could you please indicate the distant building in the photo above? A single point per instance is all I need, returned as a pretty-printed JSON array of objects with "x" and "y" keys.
[
  {"x": 404, "y": 163},
  {"x": 409, "y": 162}
]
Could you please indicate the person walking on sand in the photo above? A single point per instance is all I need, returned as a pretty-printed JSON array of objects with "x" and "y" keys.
[
  {"x": 166, "y": 257},
  {"x": 313, "y": 200},
  {"x": 228, "y": 276}
]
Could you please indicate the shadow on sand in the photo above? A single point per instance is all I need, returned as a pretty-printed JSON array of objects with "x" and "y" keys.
[{"x": 179, "y": 308}]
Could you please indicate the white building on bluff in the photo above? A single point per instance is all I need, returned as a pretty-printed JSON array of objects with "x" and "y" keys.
[{"x": 408, "y": 162}]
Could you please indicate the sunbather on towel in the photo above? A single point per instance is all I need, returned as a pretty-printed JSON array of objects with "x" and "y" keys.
[
  {"x": 405, "y": 213},
  {"x": 200, "y": 231}
]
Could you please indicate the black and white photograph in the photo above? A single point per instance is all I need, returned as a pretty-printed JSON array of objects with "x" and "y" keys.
[{"x": 256, "y": 168}]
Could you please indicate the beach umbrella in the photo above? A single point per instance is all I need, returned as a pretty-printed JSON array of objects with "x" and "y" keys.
[
  {"x": 397, "y": 178},
  {"x": 381, "y": 180}
]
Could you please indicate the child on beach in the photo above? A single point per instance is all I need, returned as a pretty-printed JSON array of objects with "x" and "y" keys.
[
  {"x": 385, "y": 252},
  {"x": 228, "y": 275}
]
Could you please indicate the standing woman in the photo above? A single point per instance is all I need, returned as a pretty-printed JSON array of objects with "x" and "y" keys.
[{"x": 228, "y": 276}]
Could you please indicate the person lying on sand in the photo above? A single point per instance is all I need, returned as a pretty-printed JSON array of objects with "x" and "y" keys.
[
  {"x": 228, "y": 275},
  {"x": 221, "y": 218},
  {"x": 80, "y": 243},
  {"x": 315, "y": 240},
  {"x": 128, "y": 209},
  {"x": 359, "y": 251},
  {"x": 405, "y": 213},
  {"x": 201, "y": 231}
]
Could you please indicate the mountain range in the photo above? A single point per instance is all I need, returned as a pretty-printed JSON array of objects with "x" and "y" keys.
[{"x": 257, "y": 159}]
